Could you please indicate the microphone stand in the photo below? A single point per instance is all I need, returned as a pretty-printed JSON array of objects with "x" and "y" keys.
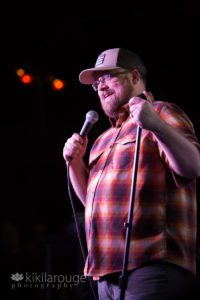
[{"x": 123, "y": 280}]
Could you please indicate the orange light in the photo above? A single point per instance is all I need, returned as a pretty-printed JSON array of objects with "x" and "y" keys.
[
  {"x": 26, "y": 79},
  {"x": 58, "y": 84},
  {"x": 20, "y": 72}
]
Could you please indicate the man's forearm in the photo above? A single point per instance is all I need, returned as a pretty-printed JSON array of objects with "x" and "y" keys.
[{"x": 79, "y": 178}]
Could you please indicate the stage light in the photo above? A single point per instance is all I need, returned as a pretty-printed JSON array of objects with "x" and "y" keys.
[
  {"x": 58, "y": 84},
  {"x": 26, "y": 79},
  {"x": 20, "y": 72}
]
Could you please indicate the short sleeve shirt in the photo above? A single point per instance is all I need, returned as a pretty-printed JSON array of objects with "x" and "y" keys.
[{"x": 164, "y": 215}]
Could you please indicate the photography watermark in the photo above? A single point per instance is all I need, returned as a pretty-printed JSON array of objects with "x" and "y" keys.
[{"x": 45, "y": 280}]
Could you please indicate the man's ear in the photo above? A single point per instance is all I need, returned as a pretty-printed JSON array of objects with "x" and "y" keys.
[{"x": 135, "y": 76}]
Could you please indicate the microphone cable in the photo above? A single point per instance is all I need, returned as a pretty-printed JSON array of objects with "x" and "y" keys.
[{"x": 77, "y": 225}]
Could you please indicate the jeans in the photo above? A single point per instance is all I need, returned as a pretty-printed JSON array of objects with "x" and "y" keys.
[{"x": 155, "y": 281}]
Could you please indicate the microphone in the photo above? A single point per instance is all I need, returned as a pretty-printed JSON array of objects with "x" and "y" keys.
[{"x": 91, "y": 118}]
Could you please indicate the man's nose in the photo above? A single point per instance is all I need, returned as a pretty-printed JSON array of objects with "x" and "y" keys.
[{"x": 102, "y": 85}]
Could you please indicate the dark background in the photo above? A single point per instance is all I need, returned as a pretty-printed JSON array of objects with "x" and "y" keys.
[{"x": 37, "y": 227}]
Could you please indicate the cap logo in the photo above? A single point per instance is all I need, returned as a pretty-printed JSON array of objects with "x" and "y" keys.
[{"x": 100, "y": 59}]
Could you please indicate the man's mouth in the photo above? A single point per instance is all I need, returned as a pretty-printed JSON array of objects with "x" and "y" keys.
[{"x": 106, "y": 95}]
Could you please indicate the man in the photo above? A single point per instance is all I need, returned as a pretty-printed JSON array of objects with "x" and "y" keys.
[{"x": 162, "y": 247}]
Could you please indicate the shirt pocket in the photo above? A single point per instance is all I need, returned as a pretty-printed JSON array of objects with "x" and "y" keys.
[{"x": 123, "y": 153}]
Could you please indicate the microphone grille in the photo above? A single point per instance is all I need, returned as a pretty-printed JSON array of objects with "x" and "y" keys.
[{"x": 92, "y": 116}]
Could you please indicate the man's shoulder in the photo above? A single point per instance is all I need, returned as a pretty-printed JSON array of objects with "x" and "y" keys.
[
  {"x": 158, "y": 104},
  {"x": 104, "y": 137},
  {"x": 166, "y": 106},
  {"x": 106, "y": 133}
]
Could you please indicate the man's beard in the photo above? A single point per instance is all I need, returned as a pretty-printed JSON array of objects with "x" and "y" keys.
[{"x": 112, "y": 108}]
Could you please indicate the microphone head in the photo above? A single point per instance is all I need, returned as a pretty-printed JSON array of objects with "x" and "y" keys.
[{"x": 92, "y": 116}]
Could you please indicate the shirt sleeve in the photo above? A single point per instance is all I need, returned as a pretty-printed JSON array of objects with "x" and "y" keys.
[{"x": 176, "y": 118}]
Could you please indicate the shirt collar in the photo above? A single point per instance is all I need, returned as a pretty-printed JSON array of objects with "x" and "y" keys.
[{"x": 123, "y": 115}]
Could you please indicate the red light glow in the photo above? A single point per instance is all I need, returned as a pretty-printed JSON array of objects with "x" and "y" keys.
[
  {"x": 58, "y": 84},
  {"x": 26, "y": 79}
]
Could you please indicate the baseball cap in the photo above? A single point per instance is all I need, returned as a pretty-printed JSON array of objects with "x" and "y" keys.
[{"x": 113, "y": 59}]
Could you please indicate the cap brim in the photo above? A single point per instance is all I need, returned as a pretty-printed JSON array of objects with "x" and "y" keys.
[{"x": 88, "y": 76}]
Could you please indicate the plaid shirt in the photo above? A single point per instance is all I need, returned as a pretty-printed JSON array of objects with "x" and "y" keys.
[{"x": 164, "y": 218}]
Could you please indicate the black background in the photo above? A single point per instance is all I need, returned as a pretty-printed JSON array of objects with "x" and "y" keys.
[{"x": 55, "y": 41}]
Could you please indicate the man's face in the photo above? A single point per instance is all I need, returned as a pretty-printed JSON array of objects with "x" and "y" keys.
[{"x": 114, "y": 91}]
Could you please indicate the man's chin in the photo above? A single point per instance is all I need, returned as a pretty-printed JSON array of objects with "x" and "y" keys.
[{"x": 111, "y": 113}]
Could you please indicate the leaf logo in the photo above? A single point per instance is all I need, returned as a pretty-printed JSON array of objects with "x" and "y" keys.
[{"x": 17, "y": 277}]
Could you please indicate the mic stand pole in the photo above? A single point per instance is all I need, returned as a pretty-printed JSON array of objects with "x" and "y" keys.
[{"x": 124, "y": 278}]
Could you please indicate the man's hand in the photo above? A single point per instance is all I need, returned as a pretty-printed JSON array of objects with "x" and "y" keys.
[
  {"x": 75, "y": 147},
  {"x": 143, "y": 113}
]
